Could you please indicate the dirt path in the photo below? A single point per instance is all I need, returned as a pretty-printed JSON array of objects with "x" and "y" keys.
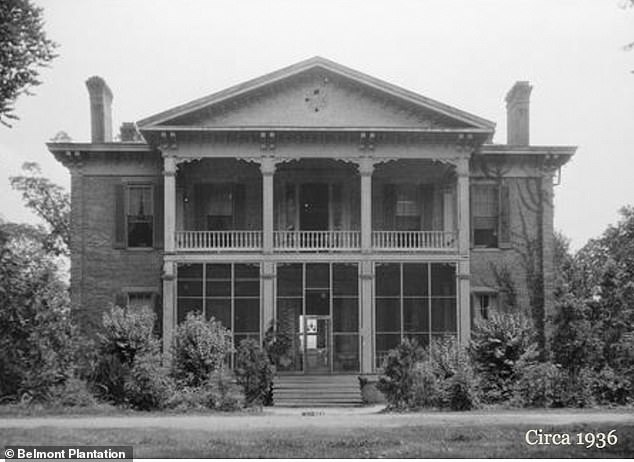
[{"x": 322, "y": 418}]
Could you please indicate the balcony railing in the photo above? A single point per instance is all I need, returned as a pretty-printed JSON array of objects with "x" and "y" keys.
[
  {"x": 218, "y": 240},
  {"x": 413, "y": 240},
  {"x": 316, "y": 240}
]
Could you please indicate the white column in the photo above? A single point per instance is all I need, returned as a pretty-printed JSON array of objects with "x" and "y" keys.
[
  {"x": 169, "y": 308},
  {"x": 366, "y": 167},
  {"x": 169, "y": 267},
  {"x": 267, "y": 167},
  {"x": 464, "y": 238},
  {"x": 367, "y": 359},
  {"x": 267, "y": 274},
  {"x": 169, "y": 201}
]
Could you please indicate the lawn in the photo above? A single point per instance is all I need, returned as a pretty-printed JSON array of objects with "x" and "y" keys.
[{"x": 376, "y": 436}]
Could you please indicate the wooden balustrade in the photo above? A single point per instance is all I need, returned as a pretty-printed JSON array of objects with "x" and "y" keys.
[
  {"x": 218, "y": 240},
  {"x": 314, "y": 240},
  {"x": 413, "y": 240}
]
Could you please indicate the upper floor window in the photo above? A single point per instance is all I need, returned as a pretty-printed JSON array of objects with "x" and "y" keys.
[
  {"x": 490, "y": 215},
  {"x": 407, "y": 209},
  {"x": 140, "y": 216}
]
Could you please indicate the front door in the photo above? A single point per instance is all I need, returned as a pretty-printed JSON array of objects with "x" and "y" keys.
[
  {"x": 313, "y": 213},
  {"x": 316, "y": 340}
]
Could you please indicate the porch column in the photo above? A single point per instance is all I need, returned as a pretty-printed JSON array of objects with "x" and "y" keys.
[
  {"x": 366, "y": 275},
  {"x": 464, "y": 239},
  {"x": 366, "y": 167},
  {"x": 267, "y": 167},
  {"x": 169, "y": 202},
  {"x": 169, "y": 308},
  {"x": 267, "y": 274},
  {"x": 169, "y": 267}
]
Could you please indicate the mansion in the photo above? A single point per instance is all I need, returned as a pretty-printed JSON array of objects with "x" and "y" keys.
[{"x": 348, "y": 212}]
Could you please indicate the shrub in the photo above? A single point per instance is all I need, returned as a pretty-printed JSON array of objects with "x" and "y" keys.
[
  {"x": 126, "y": 334},
  {"x": 369, "y": 392},
  {"x": 397, "y": 381},
  {"x": 254, "y": 373},
  {"x": 427, "y": 386},
  {"x": 608, "y": 387},
  {"x": 459, "y": 387},
  {"x": 499, "y": 347},
  {"x": 541, "y": 385},
  {"x": 201, "y": 348},
  {"x": 148, "y": 386},
  {"x": 73, "y": 392},
  {"x": 278, "y": 345},
  {"x": 218, "y": 392}
]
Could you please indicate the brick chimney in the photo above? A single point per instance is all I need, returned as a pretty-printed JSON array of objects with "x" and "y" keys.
[
  {"x": 100, "y": 110},
  {"x": 517, "y": 114}
]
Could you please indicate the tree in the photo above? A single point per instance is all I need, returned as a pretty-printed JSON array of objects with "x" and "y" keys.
[
  {"x": 49, "y": 201},
  {"x": 24, "y": 49},
  {"x": 37, "y": 350}
]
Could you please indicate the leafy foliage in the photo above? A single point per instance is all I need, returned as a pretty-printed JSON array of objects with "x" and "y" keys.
[
  {"x": 201, "y": 348},
  {"x": 397, "y": 380},
  {"x": 499, "y": 345},
  {"x": 148, "y": 386},
  {"x": 50, "y": 202},
  {"x": 37, "y": 346},
  {"x": 24, "y": 48},
  {"x": 218, "y": 392},
  {"x": 453, "y": 368},
  {"x": 254, "y": 373},
  {"x": 126, "y": 334},
  {"x": 278, "y": 345}
]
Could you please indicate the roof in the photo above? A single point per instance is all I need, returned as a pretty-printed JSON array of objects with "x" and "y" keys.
[{"x": 307, "y": 65}]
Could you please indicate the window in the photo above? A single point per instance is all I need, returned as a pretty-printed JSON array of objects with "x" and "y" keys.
[
  {"x": 139, "y": 300},
  {"x": 407, "y": 210},
  {"x": 230, "y": 293},
  {"x": 485, "y": 213},
  {"x": 413, "y": 300},
  {"x": 220, "y": 207},
  {"x": 140, "y": 216},
  {"x": 484, "y": 303}
]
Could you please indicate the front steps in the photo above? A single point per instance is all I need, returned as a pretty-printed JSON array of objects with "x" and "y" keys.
[{"x": 316, "y": 391}]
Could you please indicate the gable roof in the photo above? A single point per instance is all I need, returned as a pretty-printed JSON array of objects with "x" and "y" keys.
[{"x": 317, "y": 62}]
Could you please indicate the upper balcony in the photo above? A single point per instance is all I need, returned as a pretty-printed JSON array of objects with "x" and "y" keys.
[{"x": 316, "y": 207}]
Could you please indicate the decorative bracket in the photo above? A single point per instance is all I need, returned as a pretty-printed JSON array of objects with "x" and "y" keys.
[
  {"x": 367, "y": 141},
  {"x": 267, "y": 141},
  {"x": 168, "y": 141}
]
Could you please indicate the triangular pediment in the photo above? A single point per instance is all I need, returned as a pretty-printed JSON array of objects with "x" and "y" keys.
[{"x": 316, "y": 93}]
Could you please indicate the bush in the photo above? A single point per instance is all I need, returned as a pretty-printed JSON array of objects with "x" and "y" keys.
[
  {"x": 541, "y": 385},
  {"x": 608, "y": 387},
  {"x": 218, "y": 392},
  {"x": 73, "y": 392},
  {"x": 201, "y": 348},
  {"x": 427, "y": 387},
  {"x": 459, "y": 387},
  {"x": 254, "y": 373},
  {"x": 148, "y": 386},
  {"x": 499, "y": 347},
  {"x": 397, "y": 381},
  {"x": 126, "y": 334}
]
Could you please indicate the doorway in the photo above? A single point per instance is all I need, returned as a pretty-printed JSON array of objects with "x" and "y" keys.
[
  {"x": 313, "y": 212},
  {"x": 315, "y": 340}
]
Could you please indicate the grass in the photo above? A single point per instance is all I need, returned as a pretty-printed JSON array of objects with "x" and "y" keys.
[{"x": 304, "y": 441}]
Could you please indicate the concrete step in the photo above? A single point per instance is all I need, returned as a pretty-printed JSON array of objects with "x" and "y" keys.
[{"x": 316, "y": 391}]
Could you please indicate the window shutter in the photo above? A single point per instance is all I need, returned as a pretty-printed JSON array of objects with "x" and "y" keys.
[
  {"x": 389, "y": 206},
  {"x": 505, "y": 216},
  {"x": 119, "y": 217},
  {"x": 471, "y": 201},
  {"x": 158, "y": 216}
]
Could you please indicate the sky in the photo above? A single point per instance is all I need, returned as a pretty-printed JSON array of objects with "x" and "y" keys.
[{"x": 156, "y": 54}]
